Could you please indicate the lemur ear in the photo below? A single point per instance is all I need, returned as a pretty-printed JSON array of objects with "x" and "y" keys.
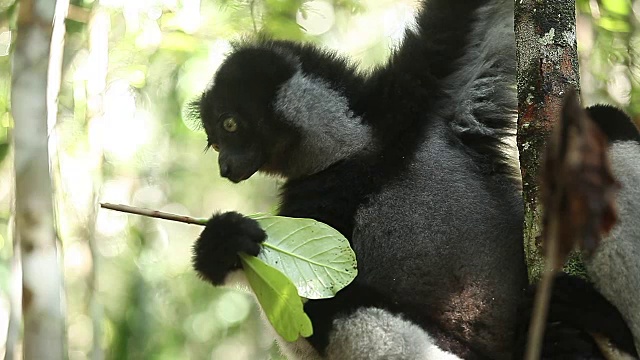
[{"x": 615, "y": 123}]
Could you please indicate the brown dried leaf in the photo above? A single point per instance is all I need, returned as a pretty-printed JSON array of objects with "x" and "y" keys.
[{"x": 578, "y": 188}]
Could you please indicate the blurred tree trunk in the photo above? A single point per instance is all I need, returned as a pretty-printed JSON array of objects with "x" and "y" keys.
[
  {"x": 99, "y": 27},
  {"x": 35, "y": 84},
  {"x": 547, "y": 68}
]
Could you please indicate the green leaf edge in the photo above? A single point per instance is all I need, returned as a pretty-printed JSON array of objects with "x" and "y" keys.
[{"x": 262, "y": 276}]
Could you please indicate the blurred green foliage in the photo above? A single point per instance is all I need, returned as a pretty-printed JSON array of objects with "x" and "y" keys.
[
  {"x": 608, "y": 44},
  {"x": 123, "y": 137}
]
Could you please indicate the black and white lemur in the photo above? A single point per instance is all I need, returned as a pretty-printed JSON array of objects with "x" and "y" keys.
[
  {"x": 410, "y": 162},
  {"x": 608, "y": 305},
  {"x": 614, "y": 268}
]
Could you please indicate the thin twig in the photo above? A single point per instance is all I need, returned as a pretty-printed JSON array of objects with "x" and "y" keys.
[
  {"x": 154, "y": 213},
  {"x": 543, "y": 294}
]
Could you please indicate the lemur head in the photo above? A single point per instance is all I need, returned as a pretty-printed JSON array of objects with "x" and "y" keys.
[{"x": 265, "y": 112}]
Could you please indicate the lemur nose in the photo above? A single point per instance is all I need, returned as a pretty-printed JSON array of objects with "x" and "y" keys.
[{"x": 225, "y": 170}]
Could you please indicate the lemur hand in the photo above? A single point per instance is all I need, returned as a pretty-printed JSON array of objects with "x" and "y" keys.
[{"x": 215, "y": 253}]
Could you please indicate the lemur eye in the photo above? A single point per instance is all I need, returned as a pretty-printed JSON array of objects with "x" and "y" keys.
[
  {"x": 215, "y": 147},
  {"x": 230, "y": 124}
]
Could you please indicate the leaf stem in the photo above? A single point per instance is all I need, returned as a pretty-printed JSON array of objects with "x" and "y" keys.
[{"x": 154, "y": 214}]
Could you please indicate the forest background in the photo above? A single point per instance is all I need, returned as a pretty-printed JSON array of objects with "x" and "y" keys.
[{"x": 121, "y": 135}]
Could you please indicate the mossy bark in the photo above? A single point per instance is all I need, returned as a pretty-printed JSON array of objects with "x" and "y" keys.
[{"x": 547, "y": 67}]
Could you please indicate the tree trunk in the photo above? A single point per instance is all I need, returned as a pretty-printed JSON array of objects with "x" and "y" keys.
[
  {"x": 547, "y": 68},
  {"x": 33, "y": 92},
  {"x": 96, "y": 85}
]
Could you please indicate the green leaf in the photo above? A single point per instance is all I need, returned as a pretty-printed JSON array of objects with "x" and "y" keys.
[
  {"x": 4, "y": 150},
  {"x": 620, "y": 7},
  {"x": 278, "y": 297},
  {"x": 615, "y": 25},
  {"x": 315, "y": 257}
]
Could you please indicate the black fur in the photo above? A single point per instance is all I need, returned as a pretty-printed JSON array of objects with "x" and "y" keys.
[
  {"x": 225, "y": 235},
  {"x": 420, "y": 184},
  {"x": 614, "y": 123},
  {"x": 578, "y": 304},
  {"x": 576, "y": 310}
]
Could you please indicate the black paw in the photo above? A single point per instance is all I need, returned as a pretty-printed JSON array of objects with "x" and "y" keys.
[{"x": 215, "y": 253}]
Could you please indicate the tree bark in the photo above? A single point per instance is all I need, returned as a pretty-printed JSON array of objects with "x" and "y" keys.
[
  {"x": 547, "y": 67},
  {"x": 35, "y": 84}
]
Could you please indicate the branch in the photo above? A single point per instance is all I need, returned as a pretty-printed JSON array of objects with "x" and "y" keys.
[{"x": 154, "y": 214}]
